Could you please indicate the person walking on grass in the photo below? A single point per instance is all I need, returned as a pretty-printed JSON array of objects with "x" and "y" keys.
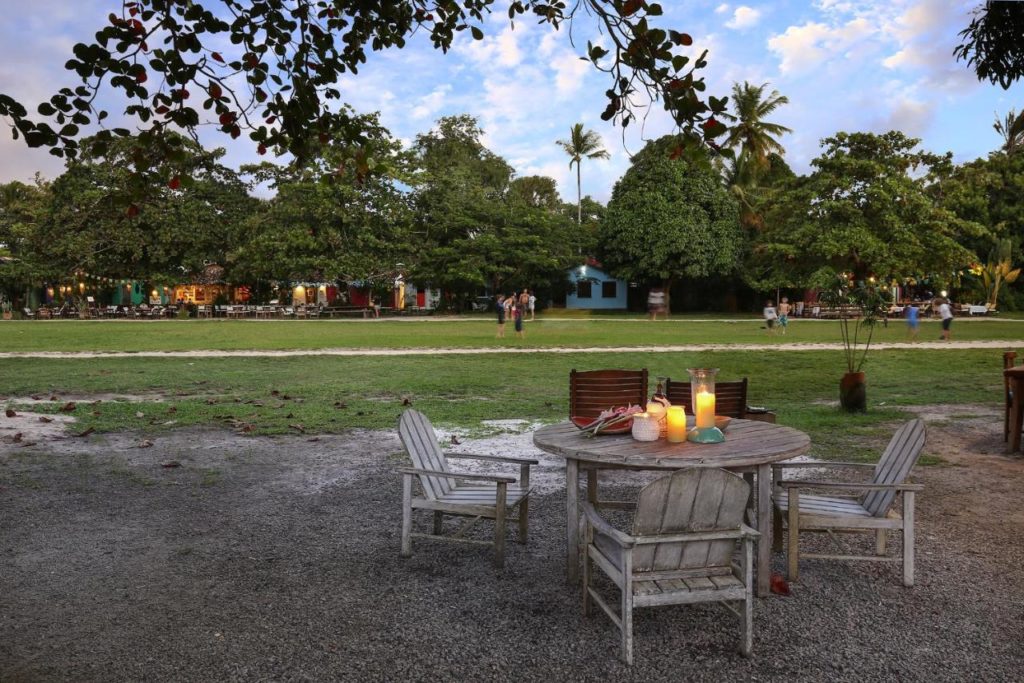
[
  {"x": 524, "y": 301},
  {"x": 500, "y": 306},
  {"x": 784, "y": 314},
  {"x": 517, "y": 318},
  {"x": 913, "y": 322},
  {"x": 656, "y": 302},
  {"x": 509, "y": 300},
  {"x": 946, "y": 313},
  {"x": 532, "y": 303},
  {"x": 770, "y": 316}
]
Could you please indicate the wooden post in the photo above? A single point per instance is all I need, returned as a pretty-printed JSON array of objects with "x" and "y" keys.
[
  {"x": 524, "y": 507},
  {"x": 747, "y": 615},
  {"x": 626, "y": 613}
]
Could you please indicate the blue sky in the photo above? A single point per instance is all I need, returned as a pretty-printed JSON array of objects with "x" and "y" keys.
[{"x": 866, "y": 65}]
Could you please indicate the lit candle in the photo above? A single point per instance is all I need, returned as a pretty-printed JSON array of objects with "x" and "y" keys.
[
  {"x": 676, "y": 417},
  {"x": 704, "y": 408}
]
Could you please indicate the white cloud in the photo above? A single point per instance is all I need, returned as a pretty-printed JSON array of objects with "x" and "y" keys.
[
  {"x": 722, "y": 9},
  {"x": 431, "y": 103},
  {"x": 806, "y": 47},
  {"x": 744, "y": 17}
]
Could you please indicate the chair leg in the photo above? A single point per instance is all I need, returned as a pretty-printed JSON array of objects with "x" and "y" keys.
[
  {"x": 776, "y": 530},
  {"x": 588, "y": 568},
  {"x": 499, "y": 526},
  {"x": 793, "y": 547},
  {"x": 747, "y": 614},
  {"x": 908, "y": 538},
  {"x": 880, "y": 542},
  {"x": 592, "y": 494},
  {"x": 626, "y": 608},
  {"x": 438, "y": 519},
  {"x": 524, "y": 520},
  {"x": 406, "y": 515}
]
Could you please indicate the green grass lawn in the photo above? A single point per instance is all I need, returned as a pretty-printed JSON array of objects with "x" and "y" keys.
[
  {"x": 333, "y": 394},
  {"x": 173, "y": 335}
]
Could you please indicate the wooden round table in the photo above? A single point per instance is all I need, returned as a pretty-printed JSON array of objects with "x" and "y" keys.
[{"x": 749, "y": 446}]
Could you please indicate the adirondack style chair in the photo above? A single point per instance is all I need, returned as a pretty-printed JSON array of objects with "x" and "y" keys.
[
  {"x": 685, "y": 531},
  {"x": 872, "y": 511},
  {"x": 476, "y": 496},
  {"x": 593, "y": 391},
  {"x": 730, "y": 397}
]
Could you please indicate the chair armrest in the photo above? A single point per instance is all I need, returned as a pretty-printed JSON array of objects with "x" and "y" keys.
[
  {"x": 743, "y": 532},
  {"x": 821, "y": 463},
  {"x": 459, "y": 477},
  {"x": 492, "y": 458},
  {"x": 595, "y": 519},
  {"x": 867, "y": 486}
]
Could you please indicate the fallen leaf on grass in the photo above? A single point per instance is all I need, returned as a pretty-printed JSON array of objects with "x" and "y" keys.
[
  {"x": 170, "y": 422},
  {"x": 11, "y": 413},
  {"x": 455, "y": 440},
  {"x": 68, "y": 407},
  {"x": 360, "y": 413},
  {"x": 87, "y": 432},
  {"x": 145, "y": 444},
  {"x": 275, "y": 392},
  {"x": 211, "y": 401},
  {"x": 289, "y": 416},
  {"x": 43, "y": 418},
  {"x": 315, "y": 438},
  {"x": 96, "y": 412},
  {"x": 298, "y": 427},
  {"x": 340, "y": 405},
  {"x": 36, "y": 397},
  {"x": 170, "y": 463},
  {"x": 139, "y": 414},
  {"x": 287, "y": 397},
  {"x": 172, "y": 409},
  {"x": 54, "y": 398},
  {"x": 406, "y": 401},
  {"x": 779, "y": 585}
]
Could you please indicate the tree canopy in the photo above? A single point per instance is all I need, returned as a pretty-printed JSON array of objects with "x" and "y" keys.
[
  {"x": 994, "y": 42},
  {"x": 270, "y": 68},
  {"x": 866, "y": 209},
  {"x": 669, "y": 218}
]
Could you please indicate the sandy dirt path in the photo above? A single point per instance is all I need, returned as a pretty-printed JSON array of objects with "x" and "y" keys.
[{"x": 675, "y": 348}]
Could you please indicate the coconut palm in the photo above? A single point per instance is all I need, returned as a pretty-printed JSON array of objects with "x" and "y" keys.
[
  {"x": 1012, "y": 130},
  {"x": 581, "y": 145},
  {"x": 756, "y": 138}
]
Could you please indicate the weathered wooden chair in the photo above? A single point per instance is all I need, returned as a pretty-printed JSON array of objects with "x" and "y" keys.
[
  {"x": 730, "y": 397},
  {"x": 872, "y": 511},
  {"x": 476, "y": 496},
  {"x": 593, "y": 391},
  {"x": 680, "y": 551}
]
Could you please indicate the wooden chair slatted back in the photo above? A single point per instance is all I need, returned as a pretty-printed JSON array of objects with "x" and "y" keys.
[
  {"x": 417, "y": 435},
  {"x": 895, "y": 465},
  {"x": 730, "y": 397},
  {"x": 593, "y": 391},
  {"x": 693, "y": 499}
]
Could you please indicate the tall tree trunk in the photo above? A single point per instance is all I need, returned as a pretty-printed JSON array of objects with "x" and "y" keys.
[{"x": 579, "y": 210}]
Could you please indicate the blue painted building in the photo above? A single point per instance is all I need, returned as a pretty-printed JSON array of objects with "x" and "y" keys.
[{"x": 595, "y": 289}]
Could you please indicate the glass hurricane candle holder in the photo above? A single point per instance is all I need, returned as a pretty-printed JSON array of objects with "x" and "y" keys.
[
  {"x": 702, "y": 393},
  {"x": 676, "y": 428}
]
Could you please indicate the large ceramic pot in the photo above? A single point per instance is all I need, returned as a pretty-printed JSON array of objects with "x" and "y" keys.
[{"x": 853, "y": 393}]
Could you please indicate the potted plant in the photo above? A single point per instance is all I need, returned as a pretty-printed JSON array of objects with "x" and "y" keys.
[
  {"x": 5, "y": 308},
  {"x": 859, "y": 306}
]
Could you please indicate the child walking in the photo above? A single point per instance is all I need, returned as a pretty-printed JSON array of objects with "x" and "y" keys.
[
  {"x": 517, "y": 317},
  {"x": 770, "y": 316},
  {"x": 784, "y": 314}
]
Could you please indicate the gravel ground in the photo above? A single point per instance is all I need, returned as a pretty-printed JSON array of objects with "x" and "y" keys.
[{"x": 277, "y": 559}]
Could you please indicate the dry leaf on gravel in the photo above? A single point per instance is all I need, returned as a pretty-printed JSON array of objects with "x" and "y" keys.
[
  {"x": 43, "y": 418},
  {"x": 87, "y": 432},
  {"x": 146, "y": 443},
  {"x": 170, "y": 463},
  {"x": 315, "y": 438},
  {"x": 11, "y": 413},
  {"x": 455, "y": 440},
  {"x": 16, "y": 438}
]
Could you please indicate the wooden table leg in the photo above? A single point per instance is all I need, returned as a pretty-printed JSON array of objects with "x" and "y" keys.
[
  {"x": 764, "y": 526},
  {"x": 1015, "y": 415},
  {"x": 572, "y": 523}
]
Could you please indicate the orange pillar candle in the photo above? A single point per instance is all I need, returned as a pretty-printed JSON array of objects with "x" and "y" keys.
[
  {"x": 704, "y": 408},
  {"x": 676, "y": 417}
]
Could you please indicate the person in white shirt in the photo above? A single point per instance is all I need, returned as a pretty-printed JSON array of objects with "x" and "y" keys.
[
  {"x": 532, "y": 301},
  {"x": 946, "y": 313},
  {"x": 770, "y": 316}
]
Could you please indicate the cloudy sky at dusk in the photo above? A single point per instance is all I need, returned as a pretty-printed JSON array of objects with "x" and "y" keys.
[{"x": 865, "y": 65}]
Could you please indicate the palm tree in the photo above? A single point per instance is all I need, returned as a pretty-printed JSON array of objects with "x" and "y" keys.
[
  {"x": 1012, "y": 130},
  {"x": 581, "y": 145},
  {"x": 755, "y": 137}
]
